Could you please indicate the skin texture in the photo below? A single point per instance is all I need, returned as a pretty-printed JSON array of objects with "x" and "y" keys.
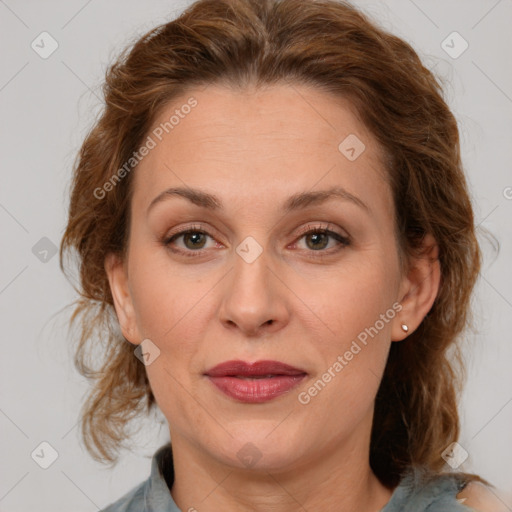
[{"x": 253, "y": 149}]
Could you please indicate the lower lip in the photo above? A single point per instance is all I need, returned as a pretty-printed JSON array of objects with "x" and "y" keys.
[{"x": 256, "y": 390}]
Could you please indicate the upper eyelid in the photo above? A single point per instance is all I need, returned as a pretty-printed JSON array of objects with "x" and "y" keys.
[{"x": 326, "y": 227}]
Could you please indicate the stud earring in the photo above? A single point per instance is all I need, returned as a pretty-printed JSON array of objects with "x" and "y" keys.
[{"x": 405, "y": 328}]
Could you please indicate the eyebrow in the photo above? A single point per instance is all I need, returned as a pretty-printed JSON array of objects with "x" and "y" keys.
[{"x": 295, "y": 202}]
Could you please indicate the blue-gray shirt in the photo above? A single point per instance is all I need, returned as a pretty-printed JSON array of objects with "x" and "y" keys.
[{"x": 418, "y": 491}]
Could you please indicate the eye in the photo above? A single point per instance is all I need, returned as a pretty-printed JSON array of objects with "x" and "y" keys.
[
  {"x": 194, "y": 240},
  {"x": 317, "y": 239}
]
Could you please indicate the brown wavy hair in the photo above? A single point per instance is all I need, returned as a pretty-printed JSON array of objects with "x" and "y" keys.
[{"x": 336, "y": 48}]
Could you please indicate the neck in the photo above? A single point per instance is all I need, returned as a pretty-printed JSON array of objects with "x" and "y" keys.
[{"x": 334, "y": 478}]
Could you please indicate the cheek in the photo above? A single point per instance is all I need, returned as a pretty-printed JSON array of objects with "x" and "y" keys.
[
  {"x": 353, "y": 298},
  {"x": 172, "y": 310},
  {"x": 169, "y": 310},
  {"x": 358, "y": 312},
  {"x": 165, "y": 302}
]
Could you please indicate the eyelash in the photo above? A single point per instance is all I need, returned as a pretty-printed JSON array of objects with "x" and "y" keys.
[{"x": 344, "y": 241}]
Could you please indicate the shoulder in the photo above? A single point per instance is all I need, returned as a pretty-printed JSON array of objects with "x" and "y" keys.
[
  {"x": 152, "y": 494},
  {"x": 424, "y": 490},
  {"x": 132, "y": 501},
  {"x": 481, "y": 498}
]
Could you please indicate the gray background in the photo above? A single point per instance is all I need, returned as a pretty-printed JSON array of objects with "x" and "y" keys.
[{"x": 47, "y": 105}]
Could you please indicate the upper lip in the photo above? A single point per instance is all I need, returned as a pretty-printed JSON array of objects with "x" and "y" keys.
[{"x": 245, "y": 369}]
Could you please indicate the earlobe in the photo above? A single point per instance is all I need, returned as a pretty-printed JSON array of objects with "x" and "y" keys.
[
  {"x": 419, "y": 289},
  {"x": 118, "y": 280}
]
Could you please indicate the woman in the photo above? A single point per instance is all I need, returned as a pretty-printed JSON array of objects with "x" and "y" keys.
[{"x": 275, "y": 238}]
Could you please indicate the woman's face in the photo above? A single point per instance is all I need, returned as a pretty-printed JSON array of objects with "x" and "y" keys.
[{"x": 249, "y": 284}]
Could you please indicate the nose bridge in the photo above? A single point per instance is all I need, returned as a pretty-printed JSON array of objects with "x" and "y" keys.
[{"x": 252, "y": 298}]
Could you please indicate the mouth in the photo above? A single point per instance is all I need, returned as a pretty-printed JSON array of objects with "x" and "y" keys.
[
  {"x": 254, "y": 383},
  {"x": 258, "y": 369}
]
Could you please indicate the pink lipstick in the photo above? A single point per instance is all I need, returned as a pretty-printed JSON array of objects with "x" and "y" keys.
[{"x": 257, "y": 382}]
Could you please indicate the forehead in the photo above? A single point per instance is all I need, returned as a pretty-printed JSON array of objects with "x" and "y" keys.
[{"x": 260, "y": 145}]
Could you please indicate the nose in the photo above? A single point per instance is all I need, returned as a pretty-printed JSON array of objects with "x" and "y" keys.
[{"x": 254, "y": 298}]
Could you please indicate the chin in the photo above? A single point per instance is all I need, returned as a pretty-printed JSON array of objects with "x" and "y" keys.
[{"x": 260, "y": 445}]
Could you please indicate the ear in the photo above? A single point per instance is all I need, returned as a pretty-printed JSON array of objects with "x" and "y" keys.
[
  {"x": 117, "y": 274},
  {"x": 418, "y": 289}
]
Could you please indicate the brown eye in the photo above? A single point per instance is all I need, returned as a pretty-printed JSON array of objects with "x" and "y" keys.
[
  {"x": 318, "y": 240},
  {"x": 193, "y": 243},
  {"x": 194, "y": 239}
]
